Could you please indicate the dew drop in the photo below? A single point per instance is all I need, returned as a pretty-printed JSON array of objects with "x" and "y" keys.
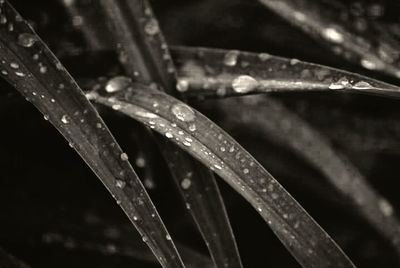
[
  {"x": 26, "y": 40},
  {"x": 231, "y": 58},
  {"x": 192, "y": 127},
  {"x": 151, "y": 27},
  {"x": 246, "y": 171},
  {"x": 20, "y": 74},
  {"x": 183, "y": 112},
  {"x": 14, "y": 65},
  {"x": 124, "y": 157},
  {"x": 168, "y": 237},
  {"x": 264, "y": 56},
  {"x": 120, "y": 183},
  {"x": 217, "y": 166},
  {"x": 385, "y": 207},
  {"x": 169, "y": 135},
  {"x": 182, "y": 85},
  {"x": 65, "y": 119},
  {"x": 362, "y": 85},
  {"x": 244, "y": 84},
  {"x": 186, "y": 183},
  {"x": 117, "y": 83},
  {"x": 333, "y": 35}
]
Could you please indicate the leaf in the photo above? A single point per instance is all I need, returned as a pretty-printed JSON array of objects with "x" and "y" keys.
[
  {"x": 9, "y": 261},
  {"x": 208, "y": 72},
  {"x": 205, "y": 141},
  {"x": 329, "y": 22},
  {"x": 272, "y": 119},
  {"x": 35, "y": 72},
  {"x": 145, "y": 57}
]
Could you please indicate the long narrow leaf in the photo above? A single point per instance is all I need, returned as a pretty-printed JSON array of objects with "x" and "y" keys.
[
  {"x": 272, "y": 119},
  {"x": 145, "y": 57},
  {"x": 35, "y": 72},
  {"x": 329, "y": 22},
  {"x": 228, "y": 73},
  {"x": 205, "y": 141}
]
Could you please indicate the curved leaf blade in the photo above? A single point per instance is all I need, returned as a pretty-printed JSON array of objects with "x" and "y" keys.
[
  {"x": 205, "y": 141},
  {"x": 145, "y": 57},
  {"x": 36, "y": 73},
  {"x": 272, "y": 119},
  {"x": 328, "y": 23},
  {"x": 207, "y": 72}
]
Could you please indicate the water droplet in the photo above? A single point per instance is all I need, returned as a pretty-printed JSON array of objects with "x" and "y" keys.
[
  {"x": 14, "y": 65},
  {"x": 244, "y": 84},
  {"x": 246, "y": 171},
  {"x": 222, "y": 149},
  {"x": 192, "y": 127},
  {"x": 117, "y": 83},
  {"x": 120, "y": 183},
  {"x": 264, "y": 56},
  {"x": 333, "y": 35},
  {"x": 124, "y": 157},
  {"x": 65, "y": 119},
  {"x": 186, "y": 183},
  {"x": 116, "y": 107},
  {"x": 362, "y": 85},
  {"x": 231, "y": 58},
  {"x": 20, "y": 74},
  {"x": 145, "y": 239},
  {"x": 336, "y": 86},
  {"x": 183, "y": 112},
  {"x": 385, "y": 207},
  {"x": 151, "y": 27},
  {"x": 182, "y": 85},
  {"x": 169, "y": 135},
  {"x": 26, "y": 40},
  {"x": 46, "y": 117},
  {"x": 43, "y": 69},
  {"x": 371, "y": 64},
  {"x": 217, "y": 166}
]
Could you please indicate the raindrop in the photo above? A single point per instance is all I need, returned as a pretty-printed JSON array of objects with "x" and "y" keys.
[
  {"x": 117, "y": 83},
  {"x": 120, "y": 183},
  {"x": 231, "y": 58},
  {"x": 124, "y": 157},
  {"x": 168, "y": 237},
  {"x": 264, "y": 56},
  {"x": 362, "y": 85},
  {"x": 192, "y": 127},
  {"x": 244, "y": 84},
  {"x": 183, "y": 112},
  {"x": 385, "y": 207},
  {"x": 26, "y": 40},
  {"x": 20, "y": 74},
  {"x": 14, "y": 65},
  {"x": 169, "y": 135},
  {"x": 65, "y": 119},
  {"x": 246, "y": 171},
  {"x": 217, "y": 166},
  {"x": 186, "y": 183},
  {"x": 43, "y": 69},
  {"x": 182, "y": 85},
  {"x": 333, "y": 35},
  {"x": 151, "y": 27}
]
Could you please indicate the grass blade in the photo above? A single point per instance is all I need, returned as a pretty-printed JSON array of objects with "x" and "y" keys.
[
  {"x": 328, "y": 22},
  {"x": 145, "y": 57},
  {"x": 208, "y": 71},
  {"x": 35, "y": 72},
  {"x": 272, "y": 119},
  {"x": 205, "y": 141}
]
